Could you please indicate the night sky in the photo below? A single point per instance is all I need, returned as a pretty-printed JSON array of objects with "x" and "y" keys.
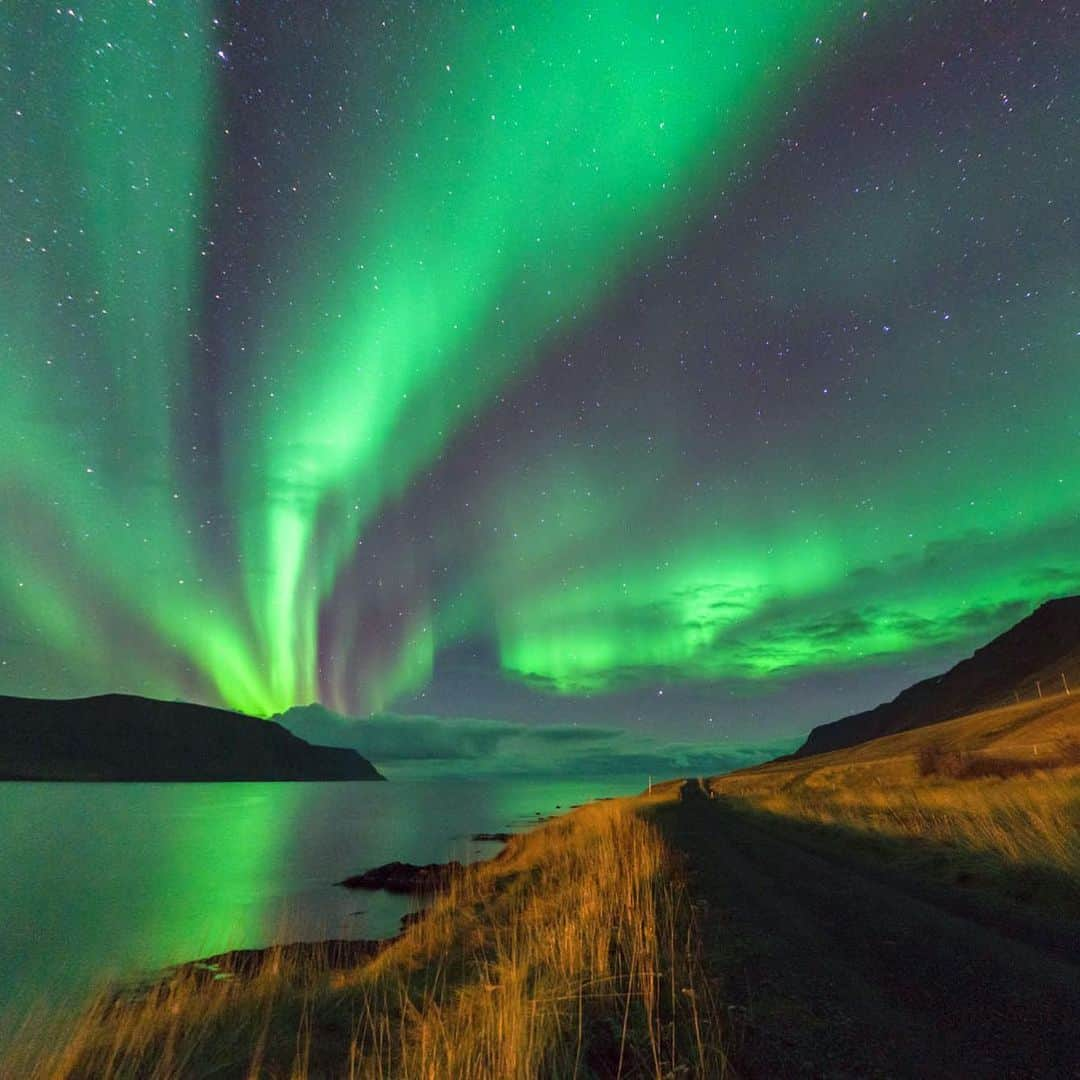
[{"x": 704, "y": 370}]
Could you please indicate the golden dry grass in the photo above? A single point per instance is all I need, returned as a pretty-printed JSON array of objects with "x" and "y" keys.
[
  {"x": 573, "y": 954},
  {"x": 1028, "y": 820}
]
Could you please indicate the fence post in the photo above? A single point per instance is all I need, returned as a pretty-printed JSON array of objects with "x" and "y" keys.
[
  {"x": 1065, "y": 683},
  {"x": 1038, "y": 686}
]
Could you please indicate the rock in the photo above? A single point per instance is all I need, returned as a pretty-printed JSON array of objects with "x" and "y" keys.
[
  {"x": 308, "y": 959},
  {"x": 411, "y": 918},
  {"x": 494, "y": 837},
  {"x": 332, "y": 955},
  {"x": 399, "y": 877}
]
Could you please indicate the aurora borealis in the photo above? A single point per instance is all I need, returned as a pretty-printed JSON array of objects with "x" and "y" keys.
[{"x": 660, "y": 365}]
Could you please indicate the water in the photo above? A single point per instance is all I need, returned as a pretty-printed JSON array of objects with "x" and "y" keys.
[{"x": 104, "y": 881}]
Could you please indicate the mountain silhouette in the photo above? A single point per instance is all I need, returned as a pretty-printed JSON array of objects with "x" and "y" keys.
[
  {"x": 1039, "y": 655},
  {"x": 123, "y": 737}
]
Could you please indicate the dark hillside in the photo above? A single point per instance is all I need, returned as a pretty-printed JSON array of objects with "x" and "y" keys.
[
  {"x": 120, "y": 737},
  {"x": 1038, "y": 649}
]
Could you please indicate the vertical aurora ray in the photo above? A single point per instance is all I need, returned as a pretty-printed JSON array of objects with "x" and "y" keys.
[
  {"x": 103, "y": 220},
  {"x": 551, "y": 148}
]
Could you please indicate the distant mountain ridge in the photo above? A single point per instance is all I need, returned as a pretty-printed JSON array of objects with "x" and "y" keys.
[
  {"x": 1038, "y": 649},
  {"x": 124, "y": 737}
]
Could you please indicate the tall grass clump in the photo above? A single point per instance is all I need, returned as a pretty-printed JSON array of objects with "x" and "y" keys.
[{"x": 572, "y": 954}]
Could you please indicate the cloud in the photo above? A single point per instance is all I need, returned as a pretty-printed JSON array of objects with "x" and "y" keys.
[
  {"x": 392, "y": 737},
  {"x": 1064, "y": 580},
  {"x": 942, "y": 599},
  {"x": 572, "y": 733},
  {"x": 869, "y": 615},
  {"x": 419, "y": 744}
]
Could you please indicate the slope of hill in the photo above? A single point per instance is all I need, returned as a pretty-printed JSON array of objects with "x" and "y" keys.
[
  {"x": 989, "y": 798},
  {"x": 1032, "y": 733},
  {"x": 1032, "y": 658},
  {"x": 121, "y": 737},
  {"x": 909, "y": 906}
]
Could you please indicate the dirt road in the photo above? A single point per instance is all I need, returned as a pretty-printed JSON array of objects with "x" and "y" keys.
[{"x": 836, "y": 967}]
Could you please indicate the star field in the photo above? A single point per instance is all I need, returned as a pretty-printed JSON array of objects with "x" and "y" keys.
[{"x": 705, "y": 368}]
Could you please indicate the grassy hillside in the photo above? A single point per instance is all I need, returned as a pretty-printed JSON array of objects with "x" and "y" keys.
[
  {"x": 589, "y": 949},
  {"x": 571, "y": 954},
  {"x": 991, "y": 799},
  {"x": 1039, "y": 655}
]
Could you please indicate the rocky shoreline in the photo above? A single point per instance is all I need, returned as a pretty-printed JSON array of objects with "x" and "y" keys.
[
  {"x": 334, "y": 954},
  {"x": 418, "y": 880},
  {"x": 399, "y": 877}
]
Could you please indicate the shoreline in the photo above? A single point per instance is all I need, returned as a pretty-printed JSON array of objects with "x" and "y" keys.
[
  {"x": 324, "y": 954},
  {"x": 595, "y": 870}
]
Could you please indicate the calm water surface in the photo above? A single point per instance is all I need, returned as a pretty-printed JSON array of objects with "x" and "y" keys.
[{"x": 110, "y": 880}]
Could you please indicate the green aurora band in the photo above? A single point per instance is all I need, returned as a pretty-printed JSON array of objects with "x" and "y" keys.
[{"x": 532, "y": 162}]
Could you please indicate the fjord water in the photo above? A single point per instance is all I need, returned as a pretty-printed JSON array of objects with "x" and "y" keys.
[{"x": 103, "y": 881}]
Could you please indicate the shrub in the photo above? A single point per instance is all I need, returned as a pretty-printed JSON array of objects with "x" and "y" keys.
[{"x": 935, "y": 760}]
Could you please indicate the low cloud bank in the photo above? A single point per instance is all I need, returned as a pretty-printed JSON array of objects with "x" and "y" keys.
[{"x": 426, "y": 745}]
